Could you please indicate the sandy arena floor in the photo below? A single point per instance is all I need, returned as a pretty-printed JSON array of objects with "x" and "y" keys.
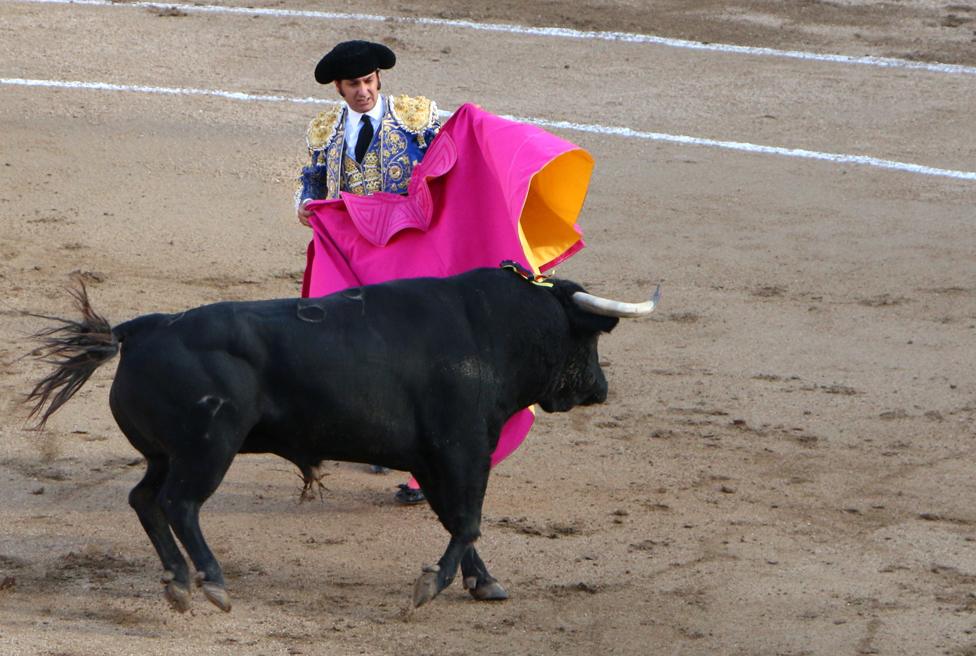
[{"x": 785, "y": 465}]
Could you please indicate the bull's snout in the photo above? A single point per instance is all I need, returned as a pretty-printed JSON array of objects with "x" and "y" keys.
[
  {"x": 564, "y": 402},
  {"x": 598, "y": 394}
]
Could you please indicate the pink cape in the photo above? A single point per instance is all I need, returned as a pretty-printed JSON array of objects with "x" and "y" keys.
[{"x": 488, "y": 189}]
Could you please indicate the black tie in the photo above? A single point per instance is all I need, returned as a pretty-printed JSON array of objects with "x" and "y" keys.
[{"x": 365, "y": 136}]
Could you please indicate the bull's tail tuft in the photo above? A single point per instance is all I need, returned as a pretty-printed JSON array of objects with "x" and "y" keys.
[{"x": 76, "y": 349}]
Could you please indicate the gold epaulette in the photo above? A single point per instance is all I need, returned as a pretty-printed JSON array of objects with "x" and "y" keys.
[
  {"x": 323, "y": 128},
  {"x": 415, "y": 113}
]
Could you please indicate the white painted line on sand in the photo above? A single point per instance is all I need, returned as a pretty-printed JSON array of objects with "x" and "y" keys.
[
  {"x": 837, "y": 158},
  {"x": 166, "y": 91},
  {"x": 562, "y": 32}
]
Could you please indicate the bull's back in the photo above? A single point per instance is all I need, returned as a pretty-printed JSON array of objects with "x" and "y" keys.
[
  {"x": 382, "y": 347},
  {"x": 349, "y": 352}
]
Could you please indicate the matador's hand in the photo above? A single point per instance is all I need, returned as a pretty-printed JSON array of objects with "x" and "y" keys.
[{"x": 304, "y": 214}]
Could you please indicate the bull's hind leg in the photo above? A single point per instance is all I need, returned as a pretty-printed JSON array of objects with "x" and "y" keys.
[
  {"x": 142, "y": 498},
  {"x": 187, "y": 486},
  {"x": 191, "y": 479}
]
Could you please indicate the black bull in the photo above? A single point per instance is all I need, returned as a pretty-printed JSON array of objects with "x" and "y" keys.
[{"x": 416, "y": 375}]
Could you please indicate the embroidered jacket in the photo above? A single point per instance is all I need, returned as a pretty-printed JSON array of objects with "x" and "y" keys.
[{"x": 406, "y": 130}]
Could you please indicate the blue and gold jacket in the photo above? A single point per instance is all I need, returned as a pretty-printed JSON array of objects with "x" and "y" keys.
[{"x": 408, "y": 126}]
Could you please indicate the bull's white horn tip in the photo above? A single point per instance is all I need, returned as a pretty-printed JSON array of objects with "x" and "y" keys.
[{"x": 611, "y": 308}]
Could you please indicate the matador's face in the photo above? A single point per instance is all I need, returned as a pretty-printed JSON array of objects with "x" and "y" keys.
[{"x": 361, "y": 93}]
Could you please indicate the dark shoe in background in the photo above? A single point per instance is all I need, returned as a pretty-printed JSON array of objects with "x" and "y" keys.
[{"x": 407, "y": 496}]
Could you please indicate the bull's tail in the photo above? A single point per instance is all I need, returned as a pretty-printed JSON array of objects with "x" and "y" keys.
[{"x": 76, "y": 349}]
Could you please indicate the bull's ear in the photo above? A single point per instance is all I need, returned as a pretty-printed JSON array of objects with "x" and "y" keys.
[{"x": 589, "y": 322}]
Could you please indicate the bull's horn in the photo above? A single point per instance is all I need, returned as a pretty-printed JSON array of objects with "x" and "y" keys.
[{"x": 611, "y": 308}]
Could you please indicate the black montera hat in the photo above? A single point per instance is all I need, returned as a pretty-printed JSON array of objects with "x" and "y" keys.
[{"x": 352, "y": 59}]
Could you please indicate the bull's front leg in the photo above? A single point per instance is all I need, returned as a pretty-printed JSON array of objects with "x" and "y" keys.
[
  {"x": 456, "y": 493},
  {"x": 437, "y": 577},
  {"x": 477, "y": 580}
]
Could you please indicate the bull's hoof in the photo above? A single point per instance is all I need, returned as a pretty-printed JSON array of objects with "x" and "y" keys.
[
  {"x": 215, "y": 593},
  {"x": 488, "y": 591},
  {"x": 426, "y": 586},
  {"x": 177, "y": 594}
]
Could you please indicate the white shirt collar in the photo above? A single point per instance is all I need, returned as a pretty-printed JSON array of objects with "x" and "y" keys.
[
  {"x": 353, "y": 126},
  {"x": 376, "y": 114}
]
